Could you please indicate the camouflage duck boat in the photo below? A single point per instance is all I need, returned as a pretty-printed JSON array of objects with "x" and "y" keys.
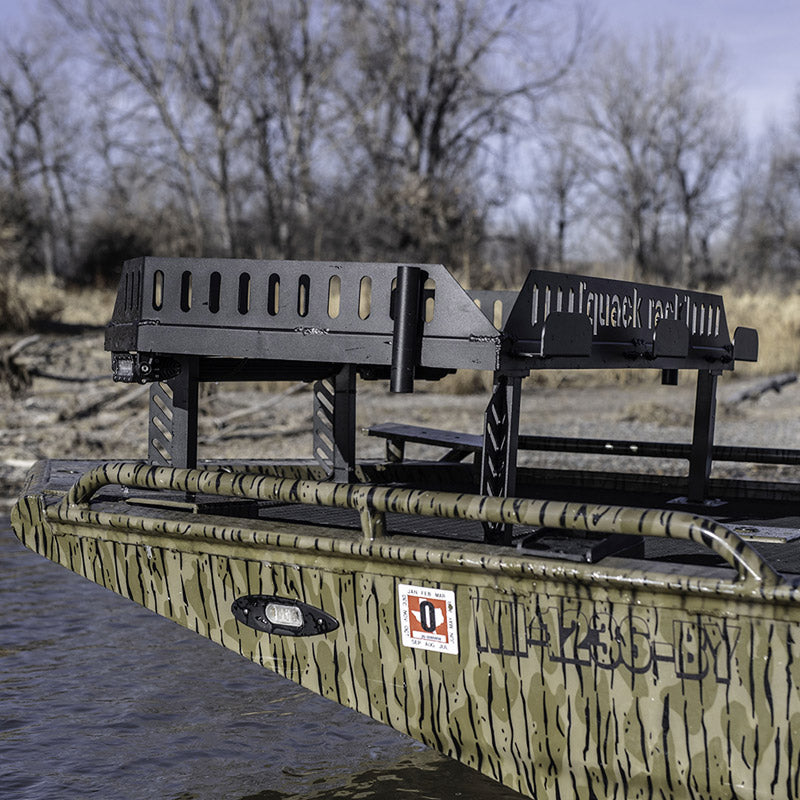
[{"x": 570, "y": 633}]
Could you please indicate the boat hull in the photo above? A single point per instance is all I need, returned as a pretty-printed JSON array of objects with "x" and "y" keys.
[{"x": 556, "y": 679}]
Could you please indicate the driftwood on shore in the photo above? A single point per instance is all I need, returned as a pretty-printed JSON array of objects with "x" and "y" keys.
[
  {"x": 14, "y": 374},
  {"x": 112, "y": 399},
  {"x": 772, "y": 384},
  {"x": 20, "y": 363}
]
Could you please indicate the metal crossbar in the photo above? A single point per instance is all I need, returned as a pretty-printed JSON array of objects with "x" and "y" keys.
[{"x": 464, "y": 444}]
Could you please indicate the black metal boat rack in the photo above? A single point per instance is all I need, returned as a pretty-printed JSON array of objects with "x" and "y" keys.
[{"x": 179, "y": 322}]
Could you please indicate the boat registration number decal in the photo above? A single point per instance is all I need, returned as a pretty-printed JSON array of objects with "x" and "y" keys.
[{"x": 428, "y": 618}]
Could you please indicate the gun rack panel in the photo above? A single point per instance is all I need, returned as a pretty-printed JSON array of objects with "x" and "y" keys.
[{"x": 369, "y": 315}]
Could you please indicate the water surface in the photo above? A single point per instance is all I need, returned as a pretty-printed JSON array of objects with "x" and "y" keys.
[{"x": 101, "y": 698}]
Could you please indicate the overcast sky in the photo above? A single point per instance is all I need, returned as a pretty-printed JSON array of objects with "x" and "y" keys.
[{"x": 761, "y": 38}]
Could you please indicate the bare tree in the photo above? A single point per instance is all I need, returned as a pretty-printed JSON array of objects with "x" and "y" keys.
[
  {"x": 656, "y": 137},
  {"x": 293, "y": 52},
  {"x": 765, "y": 241},
  {"x": 212, "y": 61},
  {"x": 141, "y": 44},
  {"x": 555, "y": 191},
  {"x": 700, "y": 141},
  {"x": 435, "y": 90},
  {"x": 14, "y": 166},
  {"x": 257, "y": 116},
  {"x": 37, "y": 149}
]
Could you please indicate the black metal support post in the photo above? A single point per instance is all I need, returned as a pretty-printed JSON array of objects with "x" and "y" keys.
[
  {"x": 335, "y": 424},
  {"x": 173, "y": 418},
  {"x": 705, "y": 411},
  {"x": 407, "y": 328},
  {"x": 159, "y": 434},
  {"x": 499, "y": 457}
]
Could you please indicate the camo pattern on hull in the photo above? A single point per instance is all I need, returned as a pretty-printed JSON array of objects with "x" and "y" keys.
[{"x": 567, "y": 681}]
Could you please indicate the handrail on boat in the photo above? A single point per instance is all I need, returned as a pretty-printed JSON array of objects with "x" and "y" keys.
[{"x": 374, "y": 501}]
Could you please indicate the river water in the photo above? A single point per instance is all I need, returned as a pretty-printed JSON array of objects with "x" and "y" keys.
[{"x": 101, "y": 698}]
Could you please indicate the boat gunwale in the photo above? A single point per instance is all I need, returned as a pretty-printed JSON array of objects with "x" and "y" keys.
[{"x": 620, "y": 573}]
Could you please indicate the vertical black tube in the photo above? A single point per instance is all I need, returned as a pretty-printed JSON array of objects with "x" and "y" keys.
[
  {"x": 407, "y": 329},
  {"x": 705, "y": 411}
]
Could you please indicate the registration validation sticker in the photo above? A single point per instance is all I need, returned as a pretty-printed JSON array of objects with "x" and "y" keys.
[{"x": 428, "y": 618}]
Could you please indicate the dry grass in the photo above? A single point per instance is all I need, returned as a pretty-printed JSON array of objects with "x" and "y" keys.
[
  {"x": 776, "y": 317},
  {"x": 87, "y": 306},
  {"x": 30, "y": 303},
  {"x": 25, "y": 303}
]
